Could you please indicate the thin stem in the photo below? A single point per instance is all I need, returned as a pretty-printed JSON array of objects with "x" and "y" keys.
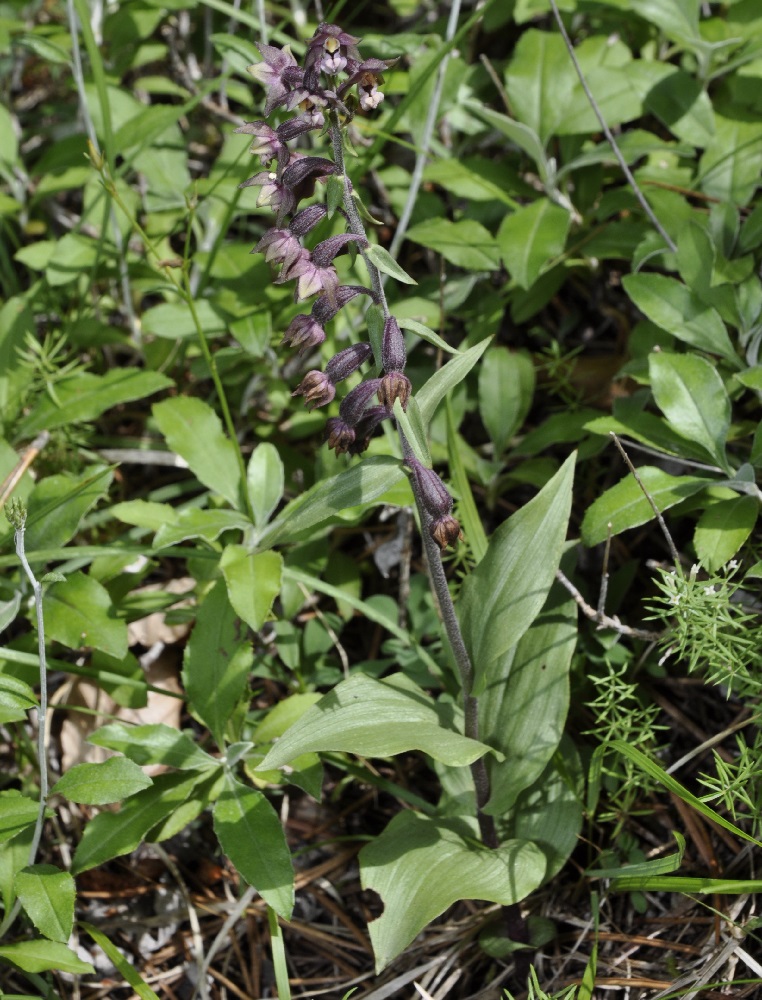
[{"x": 609, "y": 134}]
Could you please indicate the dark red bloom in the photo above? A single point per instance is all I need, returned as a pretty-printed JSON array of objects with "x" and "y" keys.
[
  {"x": 304, "y": 332},
  {"x": 394, "y": 385},
  {"x": 445, "y": 531},
  {"x": 278, "y": 72},
  {"x": 317, "y": 389}
]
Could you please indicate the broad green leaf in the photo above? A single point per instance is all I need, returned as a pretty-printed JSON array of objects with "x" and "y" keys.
[
  {"x": 96, "y": 784},
  {"x": 384, "y": 261},
  {"x": 374, "y": 719},
  {"x": 145, "y": 513},
  {"x": 732, "y": 162},
  {"x": 174, "y": 321},
  {"x": 73, "y": 255},
  {"x": 475, "y": 178},
  {"x": 695, "y": 257},
  {"x": 540, "y": 80},
  {"x": 204, "y": 792},
  {"x": 16, "y": 813},
  {"x": 16, "y": 698},
  {"x": 361, "y": 484},
  {"x": 502, "y": 596},
  {"x": 691, "y": 395},
  {"x": 506, "y": 388},
  {"x": 195, "y": 523},
  {"x": 253, "y": 580},
  {"x": 674, "y": 308},
  {"x": 523, "y": 709},
  {"x": 722, "y": 529},
  {"x": 447, "y": 377},
  {"x": 14, "y": 855},
  {"x": 41, "y": 955},
  {"x": 676, "y": 98},
  {"x": 549, "y": 812},
  {"x": 531, "y": 238},
  {"x": 194, "y": 432},
  {"x": 421, "y": 866},
  {"x": 47, "y": 894},
  {"x": 16, "y": 324},
  {"x": 111, "y": 834},
  {"x": 264, "y": 480},
  {"x": 79, "y": 613},
  {"x": 465, "y": 243},
  {"x": 251, "y": 835},
  {"x": 58, "y": 503},
  {"x": 617, "y": 99},
  {"x": 678, "y": 19},
  {"x": 283, "y": 715},
  {"x": 216, "y": 662},
  {"x": 126, "y": 971},
  {"x": 624, "y": 505},
  {"x": 154, "y": 743},
  {"x": 84, "y": 396}
]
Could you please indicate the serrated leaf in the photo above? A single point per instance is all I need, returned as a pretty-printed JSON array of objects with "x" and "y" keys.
[
  {"x": 722, "y": 529},
  {"x": 16, "y": 813},
  {"x": 216, "y": 662},
  {"x": 253, "y": 580},
  {"x": 194, "y": 431},
  {"x": 385, "y": 262},
  {"x": 154, "y": 743},
  {"x": 374, "y": 719},
  {"x": 96, "y": 784},
  {"x": 79, "y": 613},
  {"x": 440, "y": 864},
  {"x": 674, "y": 308},
  {"x": 47, "y": 894},
  {"x": 690, "y": 393},
  {"x": 251, "y": 835},
  {"x": 503, "y": 595},
  {"x": 434, "y": 391},
  {"x": 465, "y": 243},
  {"x": 41, "y": 955},
  {"x": 624, "y": 505}
]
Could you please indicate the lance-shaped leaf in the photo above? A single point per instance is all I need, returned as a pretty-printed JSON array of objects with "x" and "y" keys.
[
  {"x": 47, "y": 895},
  {"x": 501, "y": 598},
  {"x": 374, "y": 719}
]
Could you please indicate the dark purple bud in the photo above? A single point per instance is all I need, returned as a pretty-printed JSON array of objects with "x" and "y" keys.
[
  {"x": 356, "y": 400},
  {"x": 307, "y": 166},
  {"x": 324, "y": 309},
  {"x": 306, "y": 220},
  {"x": 324, "y": 252},
  {"x": 304, "y": 332},
  {"x": 445, "y": 531},
  {"x": 343, "y": 364},
  {"x": 430, "y": 489},
  {"x": 294, "y": 127},
  {"x": 366, "y": 427},
  {"x": 393, "y": 353},
  {"x": 317, "y": 389},
  {"x": 394, "y": 385},
  {"x": 339, "y": 435}
]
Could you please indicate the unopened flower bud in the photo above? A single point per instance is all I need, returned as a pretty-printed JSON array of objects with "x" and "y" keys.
[
  {"x": 371, "y": 418},
  {"x": 343, "y": 364},
  {"x": 304, "y": 332},
  {"x": 339, "y": 435},
  {"x": 354, "y": 403},
  {"x": 430, "y": 489},
  {"x": 307, "y": 166},
  {"x": 393, "y": 354},
  {"x": 324, "y": 309},
  {"x": 325, "y": 252},
  {"x": 306, "y": 220}
]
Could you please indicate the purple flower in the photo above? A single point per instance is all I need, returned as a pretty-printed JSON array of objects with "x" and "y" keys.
[
  {"x": 365, "y": 428},
  {"x": 325, "y": 252},
  {"x": 317, "y": 389},
  {"x": 437, "y": 503},
  {"x": 367, "y": 75},
  {"x": 394, "y": 385},
  {"x": 274, "y": 193},
  {"x": 339, "y": 435},
  {"x": 310, "y": 278},
  {"x": 324, "y": 309},
  {"x": 327, "y": 51},
  {"x": 266, "y": 143},
  {"x": 306, "y": 220},
  {"x": 278, "y": 73},
  {"x": 279, "y": 246},
  {"x": 304, "y": 332},
  {"x": 343, "y": 364}
]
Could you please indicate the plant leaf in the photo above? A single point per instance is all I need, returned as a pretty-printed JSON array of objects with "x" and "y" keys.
[
  {"x": 40, "y": 955},
  {"x": 384, "y": 261},
  {"x": 264, "y": 480},
  {"x": 722, "y": 529},
  {"x": 434, "y": 391},
  {"x": 251, "y": 835},
  {"x": 47, "y": 894},
  {"x": 154, "y": 743},
  {"x": 502, "y": 596},
  {"x": 253, "y": 581},
  {"x": 96, "y": 784},
  {"x": 465, "y": 243},
  {"x": 374, "y": 719},
  {"x": 194, "y": 432},
  {"x": 420, "y": 866},
  {"x": 690, "y": 393},
  {"x": 506, "y": 388},
  {"x": 78, "y": 612}
]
